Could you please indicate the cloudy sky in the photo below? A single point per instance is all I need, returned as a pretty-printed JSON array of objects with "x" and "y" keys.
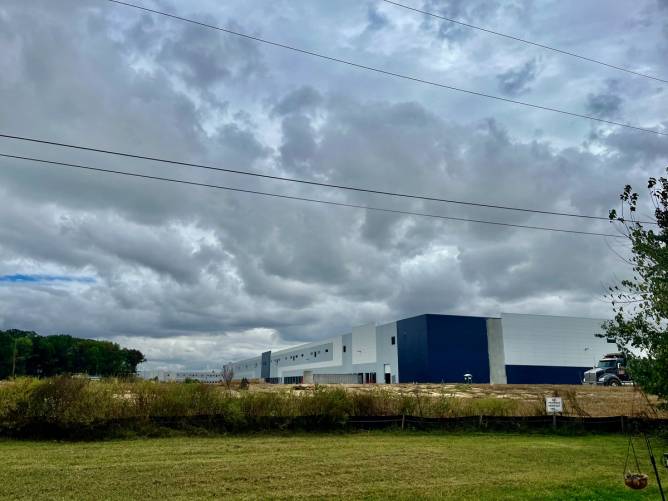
[{"x": 195, "y": 277}]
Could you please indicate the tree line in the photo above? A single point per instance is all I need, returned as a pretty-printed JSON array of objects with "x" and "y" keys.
[{"x": 25, "y": 353}]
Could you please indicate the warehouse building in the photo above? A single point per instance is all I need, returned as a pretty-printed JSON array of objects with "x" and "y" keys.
[
  {"x": 206, "y": 376},
  {"x": 512, "y": 348}
]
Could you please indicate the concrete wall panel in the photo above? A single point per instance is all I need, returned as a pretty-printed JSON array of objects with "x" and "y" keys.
[{"x": 497, "y": 362}]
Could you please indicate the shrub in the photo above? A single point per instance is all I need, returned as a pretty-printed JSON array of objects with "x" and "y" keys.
[
  {"x": 492, "y": 407},
  {"x": 14, "y": 401},
  {"x": 377, "y": 402},
  {"x": 334, "y": 403},
  {"x": 444, "y": 406},
  {"x": 72, "y": 404},
  {"x": 266, "y": 404},
  {"x": 60, "y": 400}
]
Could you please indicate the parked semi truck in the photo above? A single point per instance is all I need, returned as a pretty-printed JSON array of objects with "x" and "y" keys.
[{"x": 610, "y": 371}]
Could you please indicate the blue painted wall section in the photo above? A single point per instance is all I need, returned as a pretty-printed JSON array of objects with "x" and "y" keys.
[
  {"x": 544, "y": 374},
  {"x": 265, "y": 370},
  {"x": 412, "y": 349},
  {"x": 457, "y": 346},
  {"x": 442, "y": 348}
]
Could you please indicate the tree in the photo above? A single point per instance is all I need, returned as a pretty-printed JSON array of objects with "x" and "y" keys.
[
  {"x": 228, "y": 375},
  {"x": 16, "y": 352},
  {"x": 640, "y": 303},
  {"x": 132, "y": 359},
  {"x": 28, "y": 353},
  {"x": 22, "y": 351}
]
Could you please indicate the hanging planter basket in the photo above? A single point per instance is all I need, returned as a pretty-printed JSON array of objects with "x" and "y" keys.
[{"x": 636, "y": 481}]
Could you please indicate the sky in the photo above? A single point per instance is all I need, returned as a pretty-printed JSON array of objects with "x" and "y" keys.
[{"x": 196, "y": 277}]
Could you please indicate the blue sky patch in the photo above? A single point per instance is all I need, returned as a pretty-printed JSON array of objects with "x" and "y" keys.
[{"x": 37, "y": 279}]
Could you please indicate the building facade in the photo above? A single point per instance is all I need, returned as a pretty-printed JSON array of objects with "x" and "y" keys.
[
  {"x": 512, "y": 348},
  {"x": 211, "y": 376}
]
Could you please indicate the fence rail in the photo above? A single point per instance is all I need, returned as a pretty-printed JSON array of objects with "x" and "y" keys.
[{"x": 224, "y": 424}]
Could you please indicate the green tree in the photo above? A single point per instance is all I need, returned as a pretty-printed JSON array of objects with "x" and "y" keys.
[
  {"x": 132, "y": 359},
  {"x": 16, "y": 349},
  {"x": 22, "y": 352},
  {"x": 6, "y": 350},
  {"x": 27, "y": 353},
  {"x": 640, "y": 303}
]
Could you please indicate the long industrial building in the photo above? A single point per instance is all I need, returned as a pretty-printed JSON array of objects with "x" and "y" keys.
[{"x": 512, "y": 348}]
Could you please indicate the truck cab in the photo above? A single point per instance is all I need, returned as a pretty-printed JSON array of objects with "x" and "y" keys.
[{"x": 609, "y": 371}]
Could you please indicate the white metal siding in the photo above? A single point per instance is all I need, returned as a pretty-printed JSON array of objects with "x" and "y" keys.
[
  {"x": 386, "y": 351},
  {"x": 295, "y": 366},
  {"x": 364, "y": 344},
  {"x": 552, "y": 341}
]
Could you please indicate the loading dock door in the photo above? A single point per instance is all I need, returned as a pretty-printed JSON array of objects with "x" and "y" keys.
[{"x": 388, "y": 374}]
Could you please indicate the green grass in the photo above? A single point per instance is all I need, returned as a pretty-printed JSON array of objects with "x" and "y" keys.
[{"x": 380, "y": 465}]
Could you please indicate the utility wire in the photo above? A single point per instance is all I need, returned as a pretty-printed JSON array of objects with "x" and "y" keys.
[
  {"x": 305, "y": 181},
  {"x": 303, "y": 199},
  {"x": 518, "y": 39},
  {"x": 385, "y": 72}
]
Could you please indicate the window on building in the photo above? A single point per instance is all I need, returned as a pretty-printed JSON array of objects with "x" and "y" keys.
[
  {"x": 326, "y": 350},
  {"x": 393, "y": 340},
  {"x": 344, "y": 348}
]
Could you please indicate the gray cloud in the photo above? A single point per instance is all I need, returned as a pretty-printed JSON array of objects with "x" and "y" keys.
[
  {"x": 376, "y": 19},
  {"x": 196, "y": 276},
  {"x": 475, "y": 12},
  {"x": 517, "y": 81},
  {"x": 606, "y": 104},
  {"x": 204, "y": 57},
  {"x": 299, "y": 143},
  {"x": 303, "y": 100}
]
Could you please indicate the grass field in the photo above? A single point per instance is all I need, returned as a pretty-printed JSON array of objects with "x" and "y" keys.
[{"x": 379, "y": 465}]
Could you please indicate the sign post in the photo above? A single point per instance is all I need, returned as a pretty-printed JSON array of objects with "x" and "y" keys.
[{"x": 554, "y": 405}]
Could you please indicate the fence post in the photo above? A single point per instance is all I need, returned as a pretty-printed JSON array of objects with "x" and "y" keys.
[
  {"x": 622, "y": 421},
  {"x": 403, "y": 418}
]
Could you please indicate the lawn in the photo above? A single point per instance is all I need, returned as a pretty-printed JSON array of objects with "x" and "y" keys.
[{"x": 380, "y": 465}]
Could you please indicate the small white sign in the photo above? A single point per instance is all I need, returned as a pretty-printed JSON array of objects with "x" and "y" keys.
[{"x": 554, "y": 405}]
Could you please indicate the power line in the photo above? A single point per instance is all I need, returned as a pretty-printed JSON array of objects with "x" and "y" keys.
[
  {"x": 386, "y": 72},
  {"x": 303, "y": 199},
  {"x": 305, "y": 181},
  {"x": 518, "y": 39}
]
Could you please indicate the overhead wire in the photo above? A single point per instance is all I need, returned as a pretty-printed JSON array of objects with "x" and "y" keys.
[
  {"x": 303, "y": 199},
  {"x": 523, "y": 40},
  {"x": 384, "y": 72},
  {"x": 303, "y": 181}
]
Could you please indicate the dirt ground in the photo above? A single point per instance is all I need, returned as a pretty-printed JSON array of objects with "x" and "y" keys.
[{"x": 582, "y": 400}]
